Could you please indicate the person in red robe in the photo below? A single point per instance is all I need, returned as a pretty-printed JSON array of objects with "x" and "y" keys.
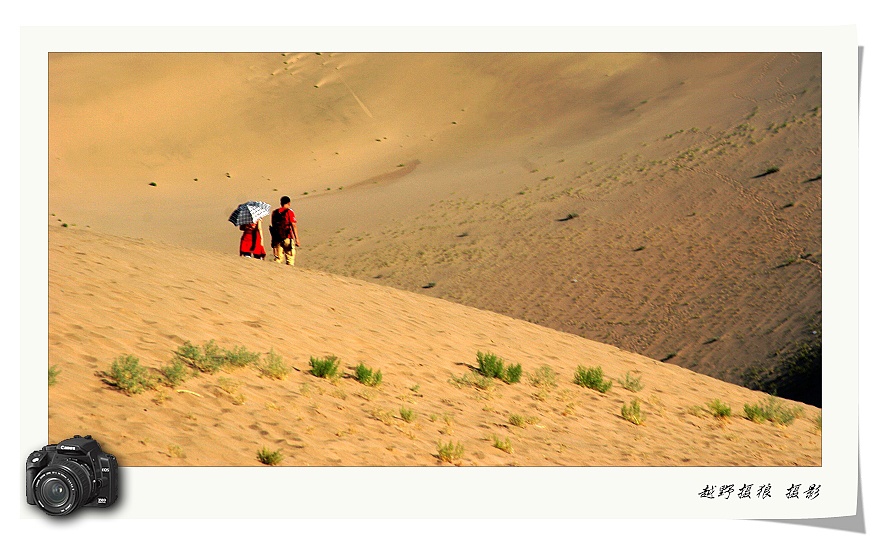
[{"x": 252, "y": 240}]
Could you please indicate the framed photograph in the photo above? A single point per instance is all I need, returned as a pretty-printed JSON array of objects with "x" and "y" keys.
[{"x": 573, "y": 272}]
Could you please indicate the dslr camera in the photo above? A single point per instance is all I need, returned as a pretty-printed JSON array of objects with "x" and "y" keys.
[{"x": 74, "y": 473}]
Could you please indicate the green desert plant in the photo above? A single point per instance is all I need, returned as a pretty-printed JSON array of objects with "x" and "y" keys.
[
  {"x": 269, "y": 457},
  {"x": 240, "y": 357},
  {"x": 207, "y": 360},
  {"x": 490, "y": 365},
  {"x": 631, "y": 383},
  {"x": 53, "y": 375},
  {"x": 211, "y": 358},
  {"x": 407, "y": 414},
  {"x": 127, "y": 374},
  {"x": 633, "y": 412},
  {"x": 718, "y": 409},
  {"x": 773, "y": 410},
  {"x": 449, "y": 452},
  {"x": 592, "y": 378},
  {"x": 512, "y": 374},
  {"x": 326, "y": 367},
  {"x": 273, "y": 366},
  {"x": 176, "y": 372},
  {"x": 517, "y": 420},
  {"x": 755, "y": 413},
  {"x": 367, "y": 376},
  {"x": 504, "y": 445}
]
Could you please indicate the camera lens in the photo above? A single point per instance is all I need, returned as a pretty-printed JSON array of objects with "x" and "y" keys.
[
  {"x": 55, "y": 492},
  {"x": 62, "y": 487}
]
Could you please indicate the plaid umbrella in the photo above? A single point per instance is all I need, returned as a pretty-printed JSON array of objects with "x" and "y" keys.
[{"x": 249, "y": 212}]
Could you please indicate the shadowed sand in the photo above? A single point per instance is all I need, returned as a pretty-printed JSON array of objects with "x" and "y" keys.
[{"x": 111, "y": 296}]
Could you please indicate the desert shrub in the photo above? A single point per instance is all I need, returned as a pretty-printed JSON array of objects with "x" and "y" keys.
[
  {"x": 273, "y": 366},
  {"x": 719, "y": 409},
  {"x": 592, "y": 378},
  {"x": 755, "y": 413},
  {"x": 240, "y": 357},
  {"x": 633, "y": 412},
  {"x": 774, "y": 411},
  {"x": 211, "y": 358},
  {"x": 490, "y": 365},
  {"x": 631, "y": 383},
  {"x": 517, "y": 420},
  {"x": 206, "y": 361},
  {"x": 127, "y": 374},
  {"x": 449, "y": 452},
  {"x": 269, "y": 457},
  {"x": 504, "y": 445},
  {"x": 407, "y": 414},
  {"x": 53, "y": 375},
  {"x": 543, "y": 377},
  {"x": 176, "y": 372},
  {"x": 327, "y": 367},
  {"x": 512, "y": 374},
  {"x": 367, "y": 376}
]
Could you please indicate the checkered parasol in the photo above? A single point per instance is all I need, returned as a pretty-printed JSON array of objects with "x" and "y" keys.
[{"x": 249, "y": 212}]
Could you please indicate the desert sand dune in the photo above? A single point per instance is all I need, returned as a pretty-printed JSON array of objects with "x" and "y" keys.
[
  {"x": 667, "y": 205},
  {"x": 111, "y": 296}
]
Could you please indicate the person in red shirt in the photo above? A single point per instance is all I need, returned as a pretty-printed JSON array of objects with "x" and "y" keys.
[{"x": 285, "y": 237}]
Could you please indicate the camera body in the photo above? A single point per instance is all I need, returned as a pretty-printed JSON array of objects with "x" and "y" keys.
[{"x": 73, "y": 473}]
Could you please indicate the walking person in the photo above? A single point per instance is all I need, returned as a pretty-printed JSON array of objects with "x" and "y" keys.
[
  {"x": 251, "y": 244},
  {"x": 285, "y": 237},
  {"x": 248, "y": 218}
]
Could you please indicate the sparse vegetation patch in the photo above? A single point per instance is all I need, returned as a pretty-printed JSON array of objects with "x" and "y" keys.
[
  {"x": 127, "y": 374},
  {"x": 718, "y": 409},
  {"x": 543, "y": 377},
  {"x": 492, "y": 366},
  {"x": 326, "y": 367},
  {"x": 273, "y": 366},
  {"x": 633, "y": 412},
  {"x": 592, "y": 378},
  {"x": 773, "y": 410},
  {"x": 631, "y": 383},
  {"x": 367, "y": 376},
  {"x": 269, "y": 457},
  {"x": 500, "y": 444},
  {"x": 450, "y": 452},
  {"x": 176, "y": 372}
]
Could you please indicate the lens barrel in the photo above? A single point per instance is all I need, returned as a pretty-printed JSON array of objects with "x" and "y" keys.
[{"x": 62, "y": 487}]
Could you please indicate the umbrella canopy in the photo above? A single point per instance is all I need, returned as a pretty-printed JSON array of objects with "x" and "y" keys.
[{"x": 249, "y": 212}]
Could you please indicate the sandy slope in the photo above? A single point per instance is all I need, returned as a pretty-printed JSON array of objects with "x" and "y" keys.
[
  {"x": 454, "y": 169},
  {"x": 113, "y": 295}
]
